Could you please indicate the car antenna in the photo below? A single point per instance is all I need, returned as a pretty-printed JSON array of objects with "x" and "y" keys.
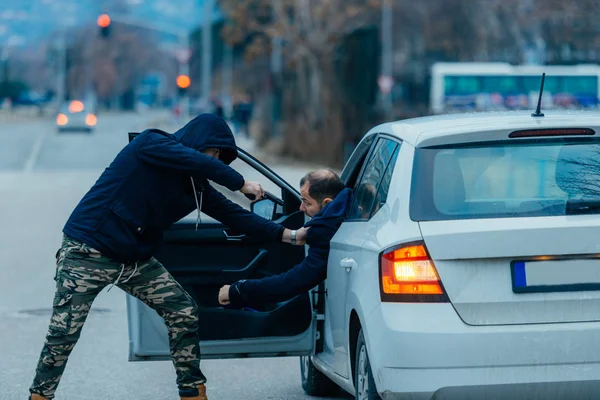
[{"x": 538, "y": 112}]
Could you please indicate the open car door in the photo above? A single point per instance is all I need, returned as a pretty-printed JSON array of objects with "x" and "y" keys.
[{"x": 204, "y": 260}]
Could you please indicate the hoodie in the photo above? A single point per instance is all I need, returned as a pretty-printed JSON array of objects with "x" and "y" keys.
[
  {"x": 304, "y": 276},
  {"x": 156, "y": 180}
]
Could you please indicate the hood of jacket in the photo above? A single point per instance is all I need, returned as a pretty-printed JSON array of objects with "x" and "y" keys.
[{"x": 209, "y": 131}]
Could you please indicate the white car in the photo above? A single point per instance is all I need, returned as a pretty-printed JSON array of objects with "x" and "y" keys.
[
  {"x": 468, "y": 268},
  {"x": 74, "y": 115}
]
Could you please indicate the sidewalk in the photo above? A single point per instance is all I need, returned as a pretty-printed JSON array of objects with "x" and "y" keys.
[{"x": 22, "y": 114}]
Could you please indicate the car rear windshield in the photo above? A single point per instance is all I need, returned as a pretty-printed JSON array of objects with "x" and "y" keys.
[{"x": 525, "y": 178}]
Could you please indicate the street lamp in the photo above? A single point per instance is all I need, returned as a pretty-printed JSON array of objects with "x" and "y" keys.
[{"x": 385, "y": 80}]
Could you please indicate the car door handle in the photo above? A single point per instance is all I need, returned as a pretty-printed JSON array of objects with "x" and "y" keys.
[
  {"x": 233, "y": 237},
  {"x": 348, "y": 263},
  {"x": 256, "y": 261}
]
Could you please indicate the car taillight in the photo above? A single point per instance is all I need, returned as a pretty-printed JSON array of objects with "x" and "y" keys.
[
  {"x": 91, "y": 120},
  {"x": 76, "y": 106},
  {"x": 407, "y": 274},
  {"x": 62, "y": 119}
]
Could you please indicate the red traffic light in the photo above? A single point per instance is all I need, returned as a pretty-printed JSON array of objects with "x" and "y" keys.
[
  {"x": 183, "y": 81},
  {"x": 104, "y": 21}
]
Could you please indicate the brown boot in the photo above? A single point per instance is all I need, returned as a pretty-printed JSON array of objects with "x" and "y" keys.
[
  {"x": 37, "y": 397},
  {"x": 201, "y": 394}
]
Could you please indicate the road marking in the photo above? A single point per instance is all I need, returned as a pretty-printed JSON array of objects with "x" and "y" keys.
[{"x": 35, "y": 154}]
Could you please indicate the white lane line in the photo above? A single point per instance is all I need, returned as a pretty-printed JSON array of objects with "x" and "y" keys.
[{"x": 35, "y": 154}]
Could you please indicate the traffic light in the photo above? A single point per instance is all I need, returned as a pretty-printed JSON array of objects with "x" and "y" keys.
[
  {"x": 183, "y": 83},
  {"x": 104, "y": 24}
]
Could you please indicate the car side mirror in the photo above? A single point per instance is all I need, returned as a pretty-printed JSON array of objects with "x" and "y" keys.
[{"x": 264, "y": 208}]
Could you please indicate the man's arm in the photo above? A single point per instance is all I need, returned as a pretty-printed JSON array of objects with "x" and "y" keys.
[
  {"x": 164, "y": 151},
  {"x": 300, "y": 279}
]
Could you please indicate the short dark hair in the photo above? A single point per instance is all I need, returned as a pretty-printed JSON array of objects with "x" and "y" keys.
[{"x": 323, "y": 183}]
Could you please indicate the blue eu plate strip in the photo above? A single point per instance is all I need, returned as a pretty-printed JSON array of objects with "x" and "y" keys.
[{"x": 520, "y": 277}]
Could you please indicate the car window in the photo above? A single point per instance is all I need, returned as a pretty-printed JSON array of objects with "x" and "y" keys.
[
  {"x": 502, "y": 180},
  {"x": 367, "y": 200},
  {"x": 249, "y": 174},
  {"x": 353, "y": 166},
  {"x": 384, "y": 186}
]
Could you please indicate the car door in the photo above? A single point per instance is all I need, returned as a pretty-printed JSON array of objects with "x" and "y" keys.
[
  {"x": 341, "y": 247},
  {"x": 370, "y": 192},
  {"x": 205, "y": 259}
]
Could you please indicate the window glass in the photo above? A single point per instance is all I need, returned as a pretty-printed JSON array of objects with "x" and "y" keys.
[
  {"x": 505, "y": 180},
  {"x": 366, "y": 192}
]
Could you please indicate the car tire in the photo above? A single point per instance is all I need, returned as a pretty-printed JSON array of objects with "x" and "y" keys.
[
  {"x": 364, "y": 384},
  {"x": 314, "y": 382}
]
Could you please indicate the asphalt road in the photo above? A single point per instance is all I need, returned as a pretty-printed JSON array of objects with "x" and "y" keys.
[{"x": 43, "y": 175}]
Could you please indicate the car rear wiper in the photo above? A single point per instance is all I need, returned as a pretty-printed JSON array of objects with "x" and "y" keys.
[{"x": 583, "y": 206}]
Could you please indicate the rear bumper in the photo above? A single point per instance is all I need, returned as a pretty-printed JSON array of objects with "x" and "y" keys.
[
  {"x": 420, "y": 350},
  {"x": 577, "y": 382},
  {"x": 74, "y": 128}
]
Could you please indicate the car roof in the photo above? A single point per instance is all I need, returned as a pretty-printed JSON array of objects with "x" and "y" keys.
[{"x": 416, "y": 131}]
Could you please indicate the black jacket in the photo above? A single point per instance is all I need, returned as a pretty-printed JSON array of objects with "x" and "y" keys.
[
  {"x": 148, "y": 187},
  {"x": 304, "y": 276}
]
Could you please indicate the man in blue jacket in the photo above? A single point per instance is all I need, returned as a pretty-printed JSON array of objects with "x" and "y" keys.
[
  {"x": 325, "y": 201},
  {"x": 110, "y": 237}
]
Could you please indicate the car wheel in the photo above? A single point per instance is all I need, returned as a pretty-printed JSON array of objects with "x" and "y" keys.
[
  {"x": 314, "y": 382},
  {"x": 364, "y": 384}
]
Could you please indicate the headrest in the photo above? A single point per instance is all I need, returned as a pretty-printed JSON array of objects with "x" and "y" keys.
[
  {"x": 578, "y": 170},
  {"x": 448, "y": 183}
]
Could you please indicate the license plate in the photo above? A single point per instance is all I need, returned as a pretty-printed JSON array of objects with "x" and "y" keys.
[{"x": 555, "y": 275}]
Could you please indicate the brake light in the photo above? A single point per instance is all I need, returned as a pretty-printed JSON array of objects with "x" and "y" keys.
[
  {"x": 408, "y": 274},
  {"x": 62, "y": 119},
  {"x": 91, "y": 120},
  {"x": 552, "y": 132},
  {"x": 76, "y": 106}
]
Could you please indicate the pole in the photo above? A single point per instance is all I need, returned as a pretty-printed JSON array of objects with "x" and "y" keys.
[
  {"x": 276, "y": 66},
  {"x": 209, "y": 6},
  {"x": 227, "y": 77},
  {"x": 3, "y": 59},
  {"x": 61, "y": 75},
  {"x": 184, "y": 69},
  {"x": 89, "y": 95},
  {"x": 386, "y": 56}
]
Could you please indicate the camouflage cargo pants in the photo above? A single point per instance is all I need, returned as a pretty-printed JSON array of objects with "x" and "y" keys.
[{"x": 82, "y": 272}]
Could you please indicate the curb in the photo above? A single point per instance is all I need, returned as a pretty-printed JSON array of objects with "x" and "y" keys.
[{"x": 14, "y": 117}]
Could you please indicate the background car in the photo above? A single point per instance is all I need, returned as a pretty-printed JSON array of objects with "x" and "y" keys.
[
  {"x": 76, "y": 116},
  {"x": 467, "y": 268}
]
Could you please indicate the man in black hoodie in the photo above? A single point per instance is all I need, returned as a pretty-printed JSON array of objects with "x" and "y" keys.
[
  {"x": 326, "y": 201},
  {"x": 110, "y": 237}
]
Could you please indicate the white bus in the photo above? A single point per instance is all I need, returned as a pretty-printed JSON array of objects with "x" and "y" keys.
[{"x": 460, "y": 87}]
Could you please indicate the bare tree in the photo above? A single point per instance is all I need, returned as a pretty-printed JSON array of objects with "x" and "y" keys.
[
  {"x": 111, "y": 66},
  {"x": 311, "y": 31},
  {"x": 316, "y": 111}
]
